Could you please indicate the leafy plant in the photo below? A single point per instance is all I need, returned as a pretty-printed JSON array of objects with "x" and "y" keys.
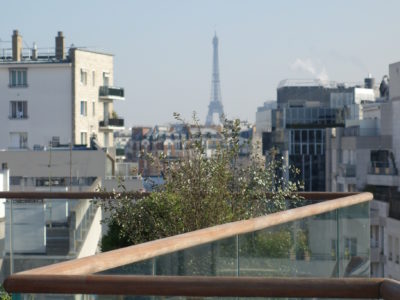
[
  {"x": 200, "y": 190},
  {"x": 3, "y": 294}
]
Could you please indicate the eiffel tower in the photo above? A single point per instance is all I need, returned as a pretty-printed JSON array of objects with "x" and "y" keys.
[{"x": 215, "y": 106}]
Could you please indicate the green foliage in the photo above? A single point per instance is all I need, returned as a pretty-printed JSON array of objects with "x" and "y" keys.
[
  {"x": 201, "y": 191},
  {"x": 113, "y": 240},
  {"x": 274, "y": 244},
  {"x": 3, "y": 294}
]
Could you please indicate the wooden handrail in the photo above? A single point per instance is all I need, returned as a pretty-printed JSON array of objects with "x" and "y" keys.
[
  {"x": 390, "y": 289},
  {"x": 128, "y": 255},
  {"x": 65, "y": 195},
  {"x": 317, "y": 196},
  {"x": 361, "y": 288}
]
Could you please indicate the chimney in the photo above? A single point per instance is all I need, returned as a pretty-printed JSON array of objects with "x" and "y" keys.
[
  {"x": 369, "y": 82},
  {"x": 60, "y": 46},
  {"x": 16, "y": 46},
  {"x": 34, "y": 52}
]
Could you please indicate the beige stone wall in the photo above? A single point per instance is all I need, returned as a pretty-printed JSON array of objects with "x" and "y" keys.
[{"x": 98, "y": 63}]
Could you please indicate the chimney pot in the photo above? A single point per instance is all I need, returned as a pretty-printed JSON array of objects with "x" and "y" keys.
[
  {"x": 34, "y": 52},
  {"x": 16, "y": 46},
  {"x": 60, "y": 46}
]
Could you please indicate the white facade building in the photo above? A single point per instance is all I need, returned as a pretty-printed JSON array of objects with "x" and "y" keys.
[
  {"x": 64, "y": 98},
  {"x": 264, "y": 117},
  {"x": 365, "y": 156}
]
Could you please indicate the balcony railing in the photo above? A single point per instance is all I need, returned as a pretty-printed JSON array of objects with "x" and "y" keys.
[
  {"x": 111, "y": 92},
  {"x": 217, "y": 261},
  {"x": 112, "y": 123},
  {"x": 380, "y": 170}
]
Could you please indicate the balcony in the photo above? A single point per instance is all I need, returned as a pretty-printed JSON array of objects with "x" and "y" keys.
[
  {"x": 111, "y": 124},
  {"x": 42, "y": 225},
  {"x": 380, "y": 173},
  {"x": 110, "y": 93},
  {"x": 383, "y": 180},
  {"x": 231, "y": 260},
  {"x": 381, "y": 170}
]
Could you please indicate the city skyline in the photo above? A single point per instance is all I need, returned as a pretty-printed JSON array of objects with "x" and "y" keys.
[{"x": 163, "y": 50}]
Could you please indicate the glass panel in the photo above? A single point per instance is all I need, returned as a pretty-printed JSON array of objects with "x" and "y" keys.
[
  {"x": 24, "y": 81},
  {"x": 13, "y": 109},
  {"x": 13, "y": 78},
  {"x": 354, "y": 242},
  {"x": 45, "y": 232},
  {"x": 292, "y": 250},
  {"x": 333, "y": 244},
  {"x": 304, "y": 136},
  {"x": 19, "y": 73}
]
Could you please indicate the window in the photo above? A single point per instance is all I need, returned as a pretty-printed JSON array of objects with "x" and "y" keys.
[
  {"x": 18, "y": 78},
  {"x": 19, "y": 140},
  {"x": 94, "y": 108},
  {"x": 83, "y": 108},
  {"x": 84, "y": 138},
  {"x": 83, "y": 77},
  {"x": 18, "y": 109},
  {"x": 15, "y": 180},
  {"x": 55, "y": 141},
  {"x": 390, "y": 248},
  {"x": 106, "y": 77},
  {"x": 350, "y": 247},
  {"x": 106, "y": 139},
  {"x": 93, "y": 78}
]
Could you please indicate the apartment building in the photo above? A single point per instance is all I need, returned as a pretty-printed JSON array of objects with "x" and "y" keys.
[
  {"x": 173, "y": 143},
  {"x": 305, "y": 108},
  {"x": 57, "y": 107},
  {"x": 365, "y": 156},
  {"x": 264, "y": 117},
  {"x": 58, "y": 96}
]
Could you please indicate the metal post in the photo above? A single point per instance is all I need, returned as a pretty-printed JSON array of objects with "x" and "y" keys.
[
  {"x": 70, "y": 166},
  {"x": 11, "y": 238},
  {"x": 50, "y": 201},
  {"x": 337, "y": 242},
  {"x": 237, "y": 256},
  {"x": 153, "y": 265}
]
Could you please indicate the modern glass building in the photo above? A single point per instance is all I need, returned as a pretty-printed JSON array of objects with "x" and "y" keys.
[{"x": 305, "y": 109}]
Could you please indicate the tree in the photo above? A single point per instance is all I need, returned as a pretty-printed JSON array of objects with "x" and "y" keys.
[{"x": 201, "y": 191}]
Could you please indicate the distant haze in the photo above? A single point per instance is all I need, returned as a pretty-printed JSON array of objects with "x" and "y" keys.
[{"x": 163, "y": 49}]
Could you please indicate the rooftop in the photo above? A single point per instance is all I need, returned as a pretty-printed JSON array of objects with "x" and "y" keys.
[
  {"x": 315, "y": 83},
  {"x": 18, "y": 52}
]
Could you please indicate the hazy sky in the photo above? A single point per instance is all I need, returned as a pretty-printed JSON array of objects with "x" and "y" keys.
[{"x": 163, "y": 50}]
